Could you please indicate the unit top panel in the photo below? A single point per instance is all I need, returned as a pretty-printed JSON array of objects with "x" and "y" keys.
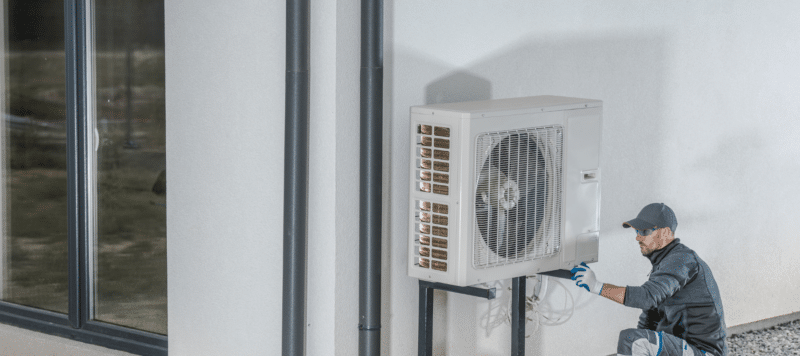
[{"x": 512, "y": 106}]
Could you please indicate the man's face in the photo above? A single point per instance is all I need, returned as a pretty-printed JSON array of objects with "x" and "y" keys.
[{"x": 652, "y": 242}]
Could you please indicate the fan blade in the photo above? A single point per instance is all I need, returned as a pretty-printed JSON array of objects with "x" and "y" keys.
[
  {"x": 510, "y": 196},
  {"x": 490, "y": 186},
  {"x": 517, "y": 156}
]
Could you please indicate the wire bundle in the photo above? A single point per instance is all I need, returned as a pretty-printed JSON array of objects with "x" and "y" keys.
[{"x": 536, "y": 311}]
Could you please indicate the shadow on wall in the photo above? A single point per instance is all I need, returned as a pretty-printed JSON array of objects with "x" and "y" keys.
[
  {"x": 457, "y": 87},
  {"x": 627, "y": 73}
]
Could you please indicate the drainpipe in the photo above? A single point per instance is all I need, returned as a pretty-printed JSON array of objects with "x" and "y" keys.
[
  {"x": 369, "y": 305},
  {"x": 295, "y": 196}
]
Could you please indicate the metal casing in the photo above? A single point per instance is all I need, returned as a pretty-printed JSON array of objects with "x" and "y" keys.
[{"x": 447, "y": 159}]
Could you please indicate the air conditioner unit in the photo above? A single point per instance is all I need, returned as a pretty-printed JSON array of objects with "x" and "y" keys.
[{"x": 503, "y": 188}]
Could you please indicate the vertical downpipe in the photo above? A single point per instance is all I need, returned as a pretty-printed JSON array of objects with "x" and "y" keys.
[
  {"x": 295, "y": 198},
  {"x": 371, "y": 165}
]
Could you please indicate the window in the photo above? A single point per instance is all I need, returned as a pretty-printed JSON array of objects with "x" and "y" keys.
[
  {"x": 83, "y": 168},
  {"x": 34, "y": 164},
  {"x": 131, "y": 270}
]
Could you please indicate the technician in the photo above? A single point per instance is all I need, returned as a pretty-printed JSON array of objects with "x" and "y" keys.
[{"x": 682, "y": 311}]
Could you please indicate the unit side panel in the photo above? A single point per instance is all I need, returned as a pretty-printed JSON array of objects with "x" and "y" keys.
[
  {"x": 433, "y": 198},
  {"x": 465, "y": 197},
  {"x": 582, "y": 180}
]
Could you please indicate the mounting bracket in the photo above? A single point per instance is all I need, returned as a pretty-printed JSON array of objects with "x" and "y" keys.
[
  {"x": 425, "y": 345},
  {"x": 518, "y": 285}
]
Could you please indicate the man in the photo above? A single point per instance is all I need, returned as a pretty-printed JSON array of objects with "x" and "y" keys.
[{"x": 682, "y": 311}]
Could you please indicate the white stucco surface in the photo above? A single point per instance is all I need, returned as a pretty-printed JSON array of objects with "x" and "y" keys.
[
  {"x": 225, "y": 99},
  {"x": 332, "y": 301},
  {"x": 225, "y": 107},
  {"x": 698, "y": 111}
]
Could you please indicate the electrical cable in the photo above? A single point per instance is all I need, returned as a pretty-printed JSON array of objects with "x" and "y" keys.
[
  {"x": 533, "y": 305},
  {"x": 571, "y": 309},
  {"x": 493, "y": 317},
  {"x": 534, "y": 308}
]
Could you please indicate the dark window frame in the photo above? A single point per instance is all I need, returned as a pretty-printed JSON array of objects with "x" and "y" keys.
[{"x": 78, "y": 323}]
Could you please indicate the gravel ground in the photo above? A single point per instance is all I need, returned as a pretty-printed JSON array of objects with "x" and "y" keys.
[{"x": 779, "y": 340}]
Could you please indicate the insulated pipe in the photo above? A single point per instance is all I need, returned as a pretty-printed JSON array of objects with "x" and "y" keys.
[
  {"x": 295, "y": 196},
  {"x": 369, "y": 305}
]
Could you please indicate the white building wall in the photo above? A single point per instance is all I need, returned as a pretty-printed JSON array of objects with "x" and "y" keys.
[
  {"x": 347, "y": 166},
  {"x": 225, "y": 108},
  {"x": 225, "y": 101},
  {"x": 699, "y": 112},
  {"x": 332, "y": 301},
  {"x": 322, "y": 192}
]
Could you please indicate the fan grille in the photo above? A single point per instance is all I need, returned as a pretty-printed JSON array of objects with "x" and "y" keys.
[{"x": 518, "y": 176}]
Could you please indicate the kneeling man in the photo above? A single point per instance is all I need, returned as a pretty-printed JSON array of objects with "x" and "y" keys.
[{"x": 682, "y": 311}]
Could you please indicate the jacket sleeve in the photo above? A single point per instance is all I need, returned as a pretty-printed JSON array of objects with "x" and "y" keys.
[{"x": 672, "y": 274}]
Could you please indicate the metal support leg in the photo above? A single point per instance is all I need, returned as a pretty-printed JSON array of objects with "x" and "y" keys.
[
  {"x": 518, "y": 286},
  {"x": 425, "y": 346}
]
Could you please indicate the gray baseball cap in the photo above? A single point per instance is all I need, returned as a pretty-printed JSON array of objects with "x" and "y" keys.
[{"x": 654, "y": 215}]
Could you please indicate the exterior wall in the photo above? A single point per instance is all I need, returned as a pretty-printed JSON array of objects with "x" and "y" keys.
[
  {"x": 225, "y": 103},
  {"x": 674, "y": 79},
  {"x": 699, "y": 113},
  {"x": 332, "y": 301},
  {"x": 347, "y": 126}
]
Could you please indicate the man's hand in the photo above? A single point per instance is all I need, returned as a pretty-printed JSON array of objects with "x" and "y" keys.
[{"x": 584, "y": 277}]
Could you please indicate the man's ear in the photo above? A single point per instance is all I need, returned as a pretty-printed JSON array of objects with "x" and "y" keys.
[{"x": 668, "y": 235}]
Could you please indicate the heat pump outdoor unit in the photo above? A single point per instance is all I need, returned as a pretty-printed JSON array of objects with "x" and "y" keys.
[{"x": 503, "y": 188}]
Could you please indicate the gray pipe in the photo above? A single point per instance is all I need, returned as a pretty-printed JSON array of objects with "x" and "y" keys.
[
  {"x": 295, "y": 196},
  {"x": 369, "y": 305}
]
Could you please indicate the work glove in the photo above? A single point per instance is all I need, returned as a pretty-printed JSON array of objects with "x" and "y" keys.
[{"x": 584, "y": 277}]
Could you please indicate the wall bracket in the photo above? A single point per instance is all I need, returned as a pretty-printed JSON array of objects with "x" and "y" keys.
[{"x": 425, "y": 345}]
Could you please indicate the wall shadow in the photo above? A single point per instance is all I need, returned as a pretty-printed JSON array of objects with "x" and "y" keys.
[{"x": 457, "y": 87}]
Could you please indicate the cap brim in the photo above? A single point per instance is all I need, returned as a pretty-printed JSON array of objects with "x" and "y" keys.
[{"x": 638, "y": 224}]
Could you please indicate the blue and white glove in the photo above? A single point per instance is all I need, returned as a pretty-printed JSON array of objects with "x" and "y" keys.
[{"x": 584, "y": 277}]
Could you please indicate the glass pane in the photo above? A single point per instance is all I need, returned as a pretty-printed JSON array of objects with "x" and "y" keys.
[
  {"x": 33, "y": 143},
  {"x": 131, "y": 260}
]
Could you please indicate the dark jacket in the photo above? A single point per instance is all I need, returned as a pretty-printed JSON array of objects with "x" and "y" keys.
[{"x": 681, "y": 298}]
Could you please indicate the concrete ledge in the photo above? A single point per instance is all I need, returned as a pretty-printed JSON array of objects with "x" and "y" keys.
[
  {"x": 763, "y": 323},
  {"x": 18, "y": 341}
]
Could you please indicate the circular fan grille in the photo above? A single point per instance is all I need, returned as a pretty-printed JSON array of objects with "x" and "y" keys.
[{"x": 511, "y": 195}]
